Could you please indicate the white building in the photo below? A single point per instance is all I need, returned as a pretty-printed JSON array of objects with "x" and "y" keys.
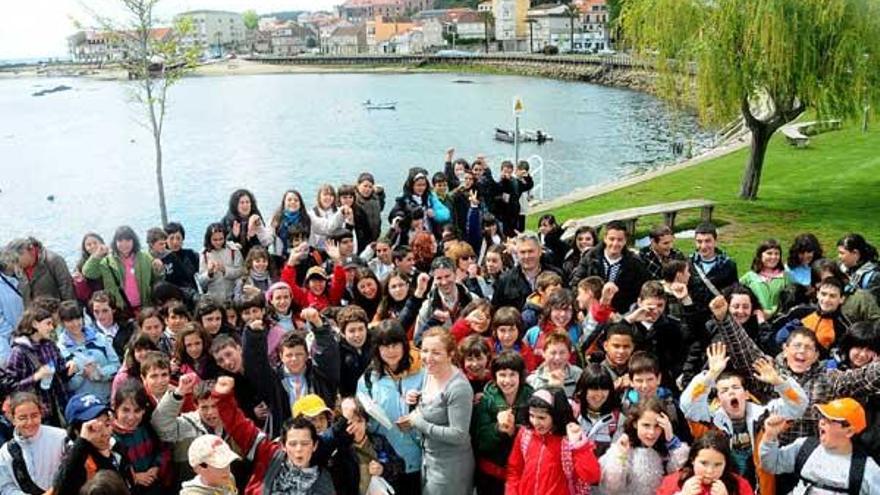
[
  {"x": 216, "y": 31},
  {"x": 511, "y": 28},
  {"x": 552, "y": 25}
]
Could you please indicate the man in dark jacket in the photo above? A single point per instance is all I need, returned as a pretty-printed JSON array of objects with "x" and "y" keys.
[
  {"x": 708, "y": 263},
  {"x": 611, "y": 261},
  {"x": 517, "y": 283},
  {"x": 42, "y": 272},
  {"x": 660, "y": 251}
]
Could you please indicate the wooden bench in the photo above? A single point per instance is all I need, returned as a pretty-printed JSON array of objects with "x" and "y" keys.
[{"x": 631, "y": 215}]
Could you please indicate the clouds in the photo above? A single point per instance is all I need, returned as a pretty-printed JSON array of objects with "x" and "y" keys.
[{"x": 39, "y": 28}]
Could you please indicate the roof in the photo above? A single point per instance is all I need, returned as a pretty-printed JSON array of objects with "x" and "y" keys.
[
  {"x": 466, "y": 17},
  {"x": 160, "y": 33},
  {"x": 347, "y": 31},
  {"x": 207, "y": 11}
]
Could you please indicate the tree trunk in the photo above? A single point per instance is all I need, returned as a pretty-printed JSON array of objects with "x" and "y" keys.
[
  {"x": 755, "y": 163},
  {"x": 160, "y": 183}
]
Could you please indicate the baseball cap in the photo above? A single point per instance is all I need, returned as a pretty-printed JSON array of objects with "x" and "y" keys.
[
  {"x": 845, "y": 409},
  {"x": 341, "y": 233},
  {"x": 84, "y": 407},
  {"x": 352, "y": 261},
  {"x": 211, "y": 450},
  {"x": 310, "y": 405},
  {"x": 316, "y": 271}
]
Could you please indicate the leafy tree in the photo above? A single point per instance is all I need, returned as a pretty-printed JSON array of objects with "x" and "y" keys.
[
  {"x": 768, "y": 60},
  {"x": 155, "y": 62},
  {"x": 251, "y": 19}
]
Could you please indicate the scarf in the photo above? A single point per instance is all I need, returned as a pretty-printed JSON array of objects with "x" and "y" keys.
[
  {"x": 292, "y": 479},
  {"x": 259, "y": 276},
  {"x": 290, "y": 385},
  {"x": 288, "y": 220}
]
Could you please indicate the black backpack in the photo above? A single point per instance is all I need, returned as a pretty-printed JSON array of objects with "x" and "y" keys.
[{"x": 856, "y": 468}]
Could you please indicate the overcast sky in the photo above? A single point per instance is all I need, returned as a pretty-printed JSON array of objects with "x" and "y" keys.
[{"x": 39, "y": 28}]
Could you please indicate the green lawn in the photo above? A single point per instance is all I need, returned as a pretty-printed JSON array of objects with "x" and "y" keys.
[{"x": 829, "y": 188}]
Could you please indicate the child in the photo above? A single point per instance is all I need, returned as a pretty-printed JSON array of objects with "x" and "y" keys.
[
  {"x": 280, "y": 306},
  {"x": 618, "y": 346},
  {"x": 507, "y": 329},
  {"x": 475, "y": 355},
  {"x": 557, "y": 369},
  {"x": 227, "y": 352},
  {"x": 594, "y": 308},
  {"x": 355, "y": 348},
  {"x": 192, "y": 352},
  {"x": 131, "y": 364},
  {"x": 90, "y": 349},
  {"x": 372, "y": 452},
  {"x": 371, "y": 198},
  {"x": 290, "y": 214},
  {"x": 829, "y": 463},
  {"x": 502, "y": 409},
  {"x": 155, "y": 375},
  {"x": 150, "y": 459},
  {"x": 546, "y": 283},
  {"x": 365, "y": 291},
  {"x": 644, "y": 376},
  {"x": 558, "y": 316},
  {"x": 211, "y": 315},
  {"x": 34, "y": 454},
  {"x": 152, "y": 325},
  {"x": 647, "y": 451},
  {"x": 598, "y": 407},
  {"x": 220, "y": 265},
  {"x": 210, "y": 458},
  {"x": 767, "y": 278},
  {"x": 252, "y": 308},
  {"x": 522, "y": 173},
  {"x": 552, "y": 449},
  {"x": 256, "y": 273},
  {"x": 476, "y": 319},
  {"x": 737, "y": 416},
  {"x": 316, "y": 294},
  {"x": 709, "y": 470},
  {"x": 825, "y": 319},
  {"x": 176, "y": 317}
]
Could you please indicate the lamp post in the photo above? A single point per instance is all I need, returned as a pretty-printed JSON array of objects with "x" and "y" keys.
[{"x": 531, "y": 23}]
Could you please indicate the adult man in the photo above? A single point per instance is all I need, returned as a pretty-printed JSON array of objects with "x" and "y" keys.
[
  {"x": 660, "y": 251},
  {"x": 711, "y": 270},
  {"x": 210, "y": 457},
  {"x": 613, "y": 262},
  {"x": 43, "y": 273},
  {"x": 445, "y": 300},
  {"x": 517, "y": 283}
]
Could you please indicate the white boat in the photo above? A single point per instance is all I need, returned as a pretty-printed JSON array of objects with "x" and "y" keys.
[
  {"x": 525, "y": 136},
  {"x": 389, "y": 105}
]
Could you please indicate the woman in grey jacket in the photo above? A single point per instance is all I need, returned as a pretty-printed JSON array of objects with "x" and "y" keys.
[{"x": 443, "y": 418}]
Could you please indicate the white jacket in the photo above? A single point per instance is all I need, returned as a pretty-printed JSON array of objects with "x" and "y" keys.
[{"x": 42, "y": 455}]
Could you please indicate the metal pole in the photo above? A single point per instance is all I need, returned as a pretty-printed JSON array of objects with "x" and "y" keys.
[{"x": 516, "y": 142}]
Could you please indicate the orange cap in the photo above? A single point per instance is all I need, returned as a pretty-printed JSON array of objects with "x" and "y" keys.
[{"x": 846, "y": 409}]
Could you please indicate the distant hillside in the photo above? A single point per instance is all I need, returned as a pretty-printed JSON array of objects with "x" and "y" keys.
[{"x": 289, "y": 15}]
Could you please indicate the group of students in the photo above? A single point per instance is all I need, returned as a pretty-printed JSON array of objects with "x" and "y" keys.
[{"x": 451, "y": 352}]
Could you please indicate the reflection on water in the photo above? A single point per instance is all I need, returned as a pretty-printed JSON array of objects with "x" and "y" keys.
[{"x": 87, "y": 148}]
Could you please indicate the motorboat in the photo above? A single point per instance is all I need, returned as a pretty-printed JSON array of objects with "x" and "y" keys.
[
  {"x": 389, "y": 105},
  {"x": 525, "y": 136}
]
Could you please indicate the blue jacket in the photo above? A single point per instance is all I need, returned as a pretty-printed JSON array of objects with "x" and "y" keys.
[
  {"x": 97, "y": 348},
  {"x": 389, "y": 394},
  {"x": 11, "y": 308}
]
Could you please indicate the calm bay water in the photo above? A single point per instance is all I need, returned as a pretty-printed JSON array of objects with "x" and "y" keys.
[{"x": 87, "y": 148}]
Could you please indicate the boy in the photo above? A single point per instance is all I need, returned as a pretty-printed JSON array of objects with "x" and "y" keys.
[
  {"x": 594, "y": 308},
  {"x": 355, "y": 349},
  {"x": 157, "y": 242},
  {"x": 645, "y": 375},
  {"x": 522, "y": 173},
  {"x": 252, "y": 309},
  {"x": 546, "y": 283},
  {"x": 510, "y": 189},
  {"x": 619, "y": 345},
  {"x": 556, "y": 370},
  {"x": 210, "y": 457},
  {"x": 176, "y": 317},
  {"x": 829, "y": 464},
  {"x": 227, "y": 352},
  {"x": 315, "y": 294},
  {"x": 825, "y": 319},
  {"x": 156, "y": 374},
  {"x": 404, "y": 260},
  {"x": 737, "y": 416},
  {"x": 383, "y": 263},
  {"x": 181, "y": 265}
]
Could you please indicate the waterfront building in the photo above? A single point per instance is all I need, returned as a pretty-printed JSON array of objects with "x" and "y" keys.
[
  {"x": 290, "y": 38},
  {"x": 99, "y": 46},
  {"x": 346, "y": 40},
  {"x": 381, "y": 30},
  {"x": 362, "y": 10},
  {"x": 511, "y": 28},
  {"x": 552, "y": 26},
  {"x": 215, "y": 31}
]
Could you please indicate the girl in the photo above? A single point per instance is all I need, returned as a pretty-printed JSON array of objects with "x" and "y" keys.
[
  {"x": 803, "y": 251},
  {"x": 109, "y": 321},
  {"x": 152, "y": 325},
  {"x": 495, "y": 262},
  {"x": 291, "y": 212},
  {"x": 393, "y": 374},
  {"x": 491, "y": 236},
  {"x": 192, "y": 352},
  {"x": 556, "y": 316},
  {"x": 40, "y": 446},
  {"x": 220, "y": 264},
  {"x": 647, "y": 451},
  {"x": 256, "y": 273},
  {"x": 35, "y": 363},
  {"x": 475, "y": 357},
  {"x": 859, "y": 261},
  {"x": 502, "y": 409},
  {"x": 371, "y": 198},
  {"x": 128, "y": 274},
  {"x": 598, "y": 406},
  {"x": 506, "y": 329},
  {"x": 280, "y": 304},
  {"x": 354, "y": 218},
  {"x": 767, "y": 278},
  {"x": 325, "y": 217},
  {"x": 417, "y": 194},
  {"x": 84, "y": 287},
  {"x": 137, "y": 349},
  {"x": 442, "y": 417},
  {"x": 90, "y": 349},
  {"x": 476, "y": 320},
  {"x": 709, "y": 470},
  {"x": 366, "y": 291},
  {"x": 551, "y": 456},
  {"x": 584, "y": 239},
  {"x": 397, "y": 301},
  {"x": 244, "y": 223},
  {"x": 467, "y": 271},
  {"x": 176, "y": 317},
  {"x": 150, "y": 459},
  {"x": 424, "y": 249}
]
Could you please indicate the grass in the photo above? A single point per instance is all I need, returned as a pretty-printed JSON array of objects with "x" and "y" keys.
[{"x": 829, "y": 188}]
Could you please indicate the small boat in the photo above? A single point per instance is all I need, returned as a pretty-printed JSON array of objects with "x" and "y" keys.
[
  {"x": 525, "y": 136},
  {"x": 390, "y": 105}
]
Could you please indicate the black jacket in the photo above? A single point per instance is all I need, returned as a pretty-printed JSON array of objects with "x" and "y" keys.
[
  {"x": 352, "y": 365},
  {"x": 512, "y": 287},
  {"x": 722, "y": 275},
  {"x": 629, "y": 280},
  {"x": 72, "y": 474},
  {"x": 665, "y": 340}
]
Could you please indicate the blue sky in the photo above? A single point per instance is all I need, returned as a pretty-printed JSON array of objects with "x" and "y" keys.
[{"x": 39, "y": 28}]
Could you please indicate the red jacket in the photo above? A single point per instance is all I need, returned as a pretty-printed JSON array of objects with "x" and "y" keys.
[
  {"x": 544, "y": 473},
  {"x": 524, "y": 350},
  {"x": 244, "y": 433},
  {"x": 304, "y": 298},
  {"x": 670, "y": 485}
]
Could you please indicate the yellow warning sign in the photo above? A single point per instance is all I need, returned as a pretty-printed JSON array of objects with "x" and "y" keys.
[{"x": 518, "y": 106}]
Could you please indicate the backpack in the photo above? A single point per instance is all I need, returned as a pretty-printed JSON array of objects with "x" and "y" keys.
[
  {"x": 19, "y": 470},
  {"x": 856, "y": 468},
  {"x": 575, "y": 486}
]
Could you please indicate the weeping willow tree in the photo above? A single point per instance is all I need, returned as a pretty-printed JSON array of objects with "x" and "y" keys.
[{"x": 768, "y": 60}]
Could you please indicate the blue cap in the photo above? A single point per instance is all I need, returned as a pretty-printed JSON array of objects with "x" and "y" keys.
[{"x": 84, "y": 407}]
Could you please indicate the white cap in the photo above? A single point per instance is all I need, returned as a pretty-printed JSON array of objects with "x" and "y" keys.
[{"x": 211, "y": 450}]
